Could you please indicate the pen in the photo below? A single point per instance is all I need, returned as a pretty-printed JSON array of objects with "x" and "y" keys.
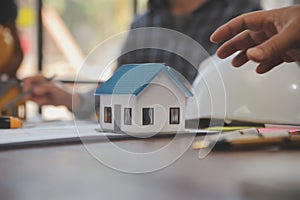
[
  {"x": 230, "y": 128},
  {"x": 24, "y": 94},
  {"x": 7, "y": 122}
]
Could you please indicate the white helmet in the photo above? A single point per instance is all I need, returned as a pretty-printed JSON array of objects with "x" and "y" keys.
[{"x": 273, "y": 97}]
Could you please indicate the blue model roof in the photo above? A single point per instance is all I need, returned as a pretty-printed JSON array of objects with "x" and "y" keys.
[{"x": 134, "y": 78}]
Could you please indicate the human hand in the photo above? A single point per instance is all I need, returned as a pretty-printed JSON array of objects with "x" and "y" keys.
[
  {"x": 47, "y": 93},
  {"x": 266, "y": 37}
]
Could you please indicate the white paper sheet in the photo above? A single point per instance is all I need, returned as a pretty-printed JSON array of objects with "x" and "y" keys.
[
  {"x": 44, "y": 133},
  {"x": 63, "y": 132}
]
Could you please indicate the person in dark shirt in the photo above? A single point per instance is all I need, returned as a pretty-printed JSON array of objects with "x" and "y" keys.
[
  {"x": 8, "y": 14},
  {"x": 194, "y": 18}
]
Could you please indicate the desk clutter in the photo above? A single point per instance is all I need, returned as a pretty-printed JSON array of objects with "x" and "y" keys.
[{"x": 282, "y": 137}]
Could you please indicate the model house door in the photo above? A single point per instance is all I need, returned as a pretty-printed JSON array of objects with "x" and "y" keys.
[{"x": 117, "y": 118}]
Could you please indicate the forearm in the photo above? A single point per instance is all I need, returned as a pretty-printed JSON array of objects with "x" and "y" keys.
[{"x": 83, "y": 105}]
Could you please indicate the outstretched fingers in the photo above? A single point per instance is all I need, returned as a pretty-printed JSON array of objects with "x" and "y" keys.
[
  {"x": 253, "y": 21},
  {"x": 242, "y": 41},
  {"x": 268, "y": 65},
  {"x": 275, "y": 46}
]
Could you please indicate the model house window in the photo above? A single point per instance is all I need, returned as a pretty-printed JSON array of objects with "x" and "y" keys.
[
  {"x": 174, "y": 115},
  {"x": 127, "y": 116},
  {"x": 148, "y": 116},
  {"x": 107, "y": 114}
]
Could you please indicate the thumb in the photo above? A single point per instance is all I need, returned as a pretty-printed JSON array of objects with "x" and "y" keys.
[{"x": 275, "y": 46}]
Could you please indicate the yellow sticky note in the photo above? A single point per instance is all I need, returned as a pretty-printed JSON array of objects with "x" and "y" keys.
[{"x": 200, "y": 145}]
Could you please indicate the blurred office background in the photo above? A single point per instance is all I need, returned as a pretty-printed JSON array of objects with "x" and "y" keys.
[{"x": 71, "y": 29}]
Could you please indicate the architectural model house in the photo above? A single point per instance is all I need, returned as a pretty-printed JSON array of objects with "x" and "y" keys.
[{"x": 143, "y": 98}]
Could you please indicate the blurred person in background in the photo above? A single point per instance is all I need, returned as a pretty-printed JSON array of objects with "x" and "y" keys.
[
  {"x": 11, "y": 53},
  {"x": 194, "y": 18}
]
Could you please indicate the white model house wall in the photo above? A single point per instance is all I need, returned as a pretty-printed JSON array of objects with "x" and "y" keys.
[
  {"x": 108, "y": 101},
  {"x": 161, "y": 95}
]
